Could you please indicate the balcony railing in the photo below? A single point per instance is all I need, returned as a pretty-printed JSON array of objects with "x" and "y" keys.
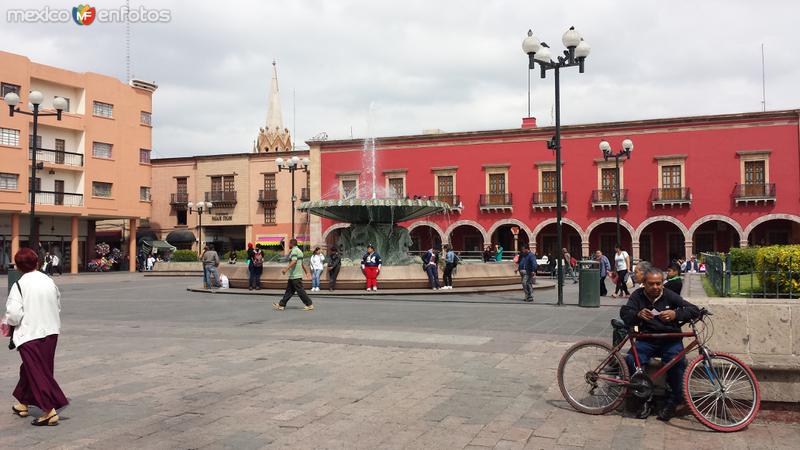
[
  {"x": 58, "y": 198},
  {"x": 547, "y": 200},
  {"x": 57, "y": 157},
  {"x": 608, "y": 197},
  {"x": 754, "y": 192},
  {"x": 453, "y": 200},
  {"x": 221, "y": 197},
  {"x": 495, "y": 202},
  {"x": 305, "y": 194},
  {"x": 179, "y": 199},
  {"x": 670, "y": 197},
  {"x": 268, "y": 196}
]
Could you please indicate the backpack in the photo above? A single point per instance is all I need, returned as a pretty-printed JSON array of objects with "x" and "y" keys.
[
  {"x": 258, "y": 260},
  {"x": 456, "y": 259}
]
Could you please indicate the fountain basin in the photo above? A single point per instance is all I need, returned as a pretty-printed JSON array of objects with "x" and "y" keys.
[{"x": 374, "y": 210}]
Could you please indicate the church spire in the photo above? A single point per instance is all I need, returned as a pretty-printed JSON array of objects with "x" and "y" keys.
[{"x": 274, "y": 137}]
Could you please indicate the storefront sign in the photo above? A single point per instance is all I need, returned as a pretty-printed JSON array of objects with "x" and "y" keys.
[{"x": 221, "y": 218}]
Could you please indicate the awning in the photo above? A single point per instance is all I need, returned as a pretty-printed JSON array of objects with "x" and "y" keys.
[
  {"x": 303, "y": 239},
  {"x": 269, "y": 240},
  {"x": 180, "y": 237},
  {"x": 158, "y": 246},
  {"x": 146, "y": 235}
]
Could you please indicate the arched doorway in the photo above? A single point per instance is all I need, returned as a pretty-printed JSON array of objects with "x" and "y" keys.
[
  {"x": 424, "y": 237},
  {"x": 547, "y": 240},
  {"x": 661, "y": 242},
  {"x": 774, "y": 232},
  {"x": 603, "y": 236},
  {"x": 333, "y": 235},
  {"x": 504, "y": 236},
  {"x": 466, "y": 238},
  {"x": 714, "y": 236}
]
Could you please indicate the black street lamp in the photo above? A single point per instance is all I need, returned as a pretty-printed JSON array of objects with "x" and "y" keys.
[
  {"x": 199, "y": 208},
  {"x": 627, "y": 149},
  {"x": 35, "y": 98},
  {"x": 575, "y": 55},
  {"x": 292, "y": 164}
]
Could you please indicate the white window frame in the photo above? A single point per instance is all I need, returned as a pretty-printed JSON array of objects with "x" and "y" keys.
[
  {"x": 146, "y": 118},
  {"x": 9, "y": 181},
  {"x": 96, "y": 184},
  {"x": 110, "y": 150},
  {"x": 9, "y": 137},
  {"x": 144, "y": 194},
  {"x": 102, "y": 109}
]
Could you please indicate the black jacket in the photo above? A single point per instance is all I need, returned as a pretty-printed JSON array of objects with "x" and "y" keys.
[
  {"x": 334, "y": 261},
  {"x": 674, "y": 284},
  {"x": 684, "y": 311}
]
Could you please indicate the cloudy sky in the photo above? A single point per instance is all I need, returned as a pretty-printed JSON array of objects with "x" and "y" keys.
[{"x": 453, "y": 65}]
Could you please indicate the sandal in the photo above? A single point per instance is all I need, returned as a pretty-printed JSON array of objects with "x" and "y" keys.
[{"x": 19, "y": 411}]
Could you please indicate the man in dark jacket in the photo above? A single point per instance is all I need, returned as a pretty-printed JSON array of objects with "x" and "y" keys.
[
  {"x": 674, "y": 281},
  {"x": 657, "y": 310},
  {"x": 431, "y": 262},
  {"x": 526, "y": 266},
  {"x": 334, "y": 265}
]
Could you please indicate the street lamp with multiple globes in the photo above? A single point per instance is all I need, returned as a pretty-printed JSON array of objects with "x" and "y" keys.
[
  {"x": 627, "y": 149},
  {"x": 292, "y": 164},
  {"x": 35, "y": 98},
  {"x": 575, "y": 55},
  {"x": 199, "y": 208}
]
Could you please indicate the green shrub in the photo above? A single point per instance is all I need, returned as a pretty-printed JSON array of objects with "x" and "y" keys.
[
  {"x": 184, "y": 256},
  {"x": 743, "y": 259},
  {"x": 778, "y": 267}
]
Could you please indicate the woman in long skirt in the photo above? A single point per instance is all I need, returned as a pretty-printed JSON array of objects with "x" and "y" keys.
[{"x": 33, "y": 309}]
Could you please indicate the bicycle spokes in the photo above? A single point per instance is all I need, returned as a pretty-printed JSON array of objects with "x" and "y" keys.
[
  {"x": 723, "y": 393},
  {"x": 592, "y": 378}
]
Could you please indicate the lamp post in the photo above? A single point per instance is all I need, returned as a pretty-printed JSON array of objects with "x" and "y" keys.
[
  {"x": 199, "y": 208},
  {"x": 575, "y": 55},
  {"x": 627, "y": 149},
  {"x": 292, "y": 164},
  {"x": 35, "y": 98}
]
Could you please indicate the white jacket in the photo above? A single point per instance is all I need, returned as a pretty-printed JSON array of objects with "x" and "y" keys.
[
  {"x": 36, "y": 314},
  {"x": 317, "y": 262}
]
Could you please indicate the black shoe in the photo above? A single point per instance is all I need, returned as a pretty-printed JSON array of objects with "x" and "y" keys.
[
  {"x": 644, "y": 413},
  {"x": 667, "y": 412}
]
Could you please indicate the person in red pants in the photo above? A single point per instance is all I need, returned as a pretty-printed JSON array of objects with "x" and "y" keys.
[{"x": 371, "y": 266}]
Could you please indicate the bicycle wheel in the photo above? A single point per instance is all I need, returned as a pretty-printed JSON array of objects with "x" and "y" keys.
[
  {"x": 588, "y": 386},
  {"x": 722, "y": 392}
]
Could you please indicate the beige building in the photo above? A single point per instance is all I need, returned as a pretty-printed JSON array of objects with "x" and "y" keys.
[{"x": 95, "y": 160}]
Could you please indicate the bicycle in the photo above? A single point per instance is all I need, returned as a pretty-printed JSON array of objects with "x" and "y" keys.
[{"x": 721, "y": 391}]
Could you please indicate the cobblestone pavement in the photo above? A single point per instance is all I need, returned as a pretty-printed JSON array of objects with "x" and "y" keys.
[{"x": 148, "y": 365}]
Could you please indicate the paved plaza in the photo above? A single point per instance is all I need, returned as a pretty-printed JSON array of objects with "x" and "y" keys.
[{"x": 147, "y": 364}]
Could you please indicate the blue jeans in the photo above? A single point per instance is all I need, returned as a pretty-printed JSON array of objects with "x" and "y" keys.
[
  {"x": 315, "y": 274},
  {"x": 433, "y": 275},
  {"x": 208, "y": 272},
  {"x": 666, "y": 349}
]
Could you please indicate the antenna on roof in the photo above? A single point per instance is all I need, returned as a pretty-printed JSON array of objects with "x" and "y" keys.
[
  {"x": 127, "y": 41},
  {"x": 763, "y": 81},
  {"x": 294, "y": 117}
]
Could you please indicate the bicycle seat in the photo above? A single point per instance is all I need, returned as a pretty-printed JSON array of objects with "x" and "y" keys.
[{"x": 618, "y": 323}]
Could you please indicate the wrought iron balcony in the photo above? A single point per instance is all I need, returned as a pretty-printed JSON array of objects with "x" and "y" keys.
[
  {"x": 221, "y": 198},
  {"x": 179, "y": 200},
  {"x": 547, "y": 200},
  {"x": 57, "y": 157},
  {"x": 305, "y": 194},
  {"x": 672, "y": 197},
  {"x": 603, "y": 198},
  {"x": 496, "y": 202},
  {"x": 754, "y": 193},
  {"x": 268, "y": 196},
  {"x": 453, "y": 200},
  {"x": 58, "y": 198}
]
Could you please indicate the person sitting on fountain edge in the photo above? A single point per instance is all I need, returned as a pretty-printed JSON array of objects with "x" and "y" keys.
[{"x": 371, "y": 266}]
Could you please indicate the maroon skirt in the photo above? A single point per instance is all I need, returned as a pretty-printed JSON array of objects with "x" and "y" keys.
[{"x": 36, "y": 385}]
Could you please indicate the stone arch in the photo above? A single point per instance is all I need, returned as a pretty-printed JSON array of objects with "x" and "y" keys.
[
  {"x": 721, "y": 218},
  {"x": 335, "y": 226},
  {"x": 516, "y": 222},
  {"x": 540, "y": 226},
  {"x": 670, "y": 219},
  {"x": 472, "y": 223},
  {"x": 746, "y": 233},
  {"x": 624, "y": 223},
  {"x": 433, "y": 225}
]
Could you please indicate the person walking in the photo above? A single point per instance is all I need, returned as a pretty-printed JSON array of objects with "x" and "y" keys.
[
  {"x": 622, "y": 264},
  {"x": 526, "y": 267},
  {"x": 431, "y": 261},
  {"x": 55, "y": 264},
  {"x": 317, "y": 264},
  {"x": 210, "y": 260},
  {"x": 294, "y": 284},
  {"x": 450, "y": 263},
  {"x": 569, "y": 266},
  {"x": 151, "y": 262},
  {"x": 371, "y": 266},
  {"x": 334, "y": 264},
  {"x": 256, "y": 268},
  {"x": 33, "y": 308},
  {"x": 605, "y": 267}
]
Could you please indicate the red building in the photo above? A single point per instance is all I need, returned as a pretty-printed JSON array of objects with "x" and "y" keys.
[{"x": 692, "y": 184}]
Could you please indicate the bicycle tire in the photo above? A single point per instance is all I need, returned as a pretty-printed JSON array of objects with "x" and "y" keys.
[
  {"x": 698, "y": 404},
  {"x": 615, "y": 399}
]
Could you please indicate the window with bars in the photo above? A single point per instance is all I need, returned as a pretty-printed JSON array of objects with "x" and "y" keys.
[
  {"x": 269, "y": 181},
  {"x": 9, "y": 181},
  {"x": 102, "y": 109},
  {"x": 101, "y": 189},
  {"x": 269, "y": 216},
  {"x": 608, "y": 179},
  {"x": 38, "y": 141},
  {"x": 145, "y": 118},
  {"x": 671, "y": 177},
  {"x": 397, "y": 187},
  {"x": 349, "y": 188},
  {"x": 144, "y": 156},
  {"x": 497, "y": 183},
  {"x": 7, "y": 88},
  {"x": 9, "y": 136},
  {"x": 102, "y": 150},
  {"x": 445, "y": 184},
  {"x": 144, "y": 193},
  {"x": 755, "y": 172},
  {"x": 222, "y": 183},
  {"x": 181, "y": 185}
]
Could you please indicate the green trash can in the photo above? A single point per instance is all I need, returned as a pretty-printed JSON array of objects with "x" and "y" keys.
[
  {"x": 13, "y": 276},
  {"x": 589, "y": 287}
]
